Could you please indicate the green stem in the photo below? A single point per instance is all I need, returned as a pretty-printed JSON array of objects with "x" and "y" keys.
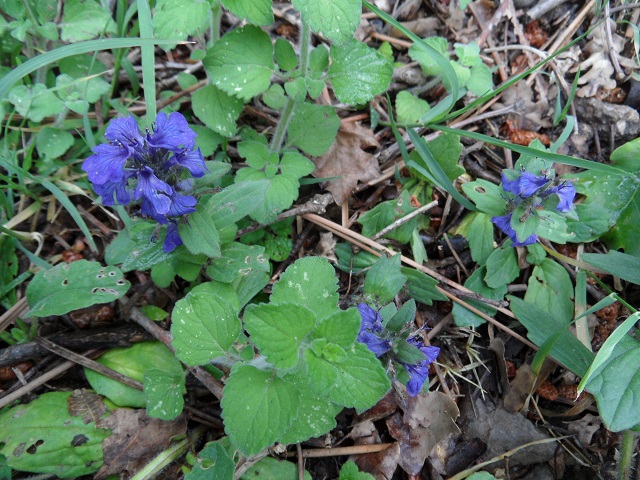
[
  {"x": 162, "y": 460},
  {"x": 626, "y": 454},
  {"x": 216, "y": 18},
  {"x": 305, "y": 43},
  {"x": 283, "y": 125}
]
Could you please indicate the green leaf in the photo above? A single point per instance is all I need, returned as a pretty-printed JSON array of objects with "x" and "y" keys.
[
  {"x": 237, "y": 201},
  {"x": 425, "y": 59},
  {"x": 269, "y": 467},
  {"x": 385, "y": 213},
  {"x": 336, "y": 20},
  {"x": 177, "y": 20},
  {"x": 361, "y": 381},
  {"x": 487, "y": 196},
  {"x": 349, "y": 471},
  {"x": 479, "y": 233},
  {"x": 619, "y": 264},
  {"x": 85, "y": 19},
  {"x": 214, "y": 461},
  {"x": 279, "y": 330},
  {"x": 281, "y": 192},
  {"x": 163, "y": 391},
  {"x": 409, "y": 108},
  {"x": 217, "y": 110},
  {"x": 358, "y": 73},
  {"x": 285, "y": 54},
  {"x": 475, "y": 283},
  {"x": 71, "y": 286},
  {"x": 551, "y": 290},
  {"x": 502, "y": 266},
  {"x": 292, "y": 163},
  {"x": 616, "y": 386},
  {"x": 384, "y": 280},
  {"x": 35, "y": 102},
  {"x": 205, "y": 324},
  {"x": 309, "y": 281},
  {"x": 40, "y": 437},
  {"x": 319, "y": 60},
  {"x": 313, "y": 128},
  {"x": 402, "y": 317},
  {"x": 468, "y": 55},
  {"x": 258, "y": 407},
  {"x": 446, "y": 150},
  {"x": 132, "y": 362},
  {"x": 274, "y": 97},
  {"x": 341, "y": 328},
  {"x": 241, "y": 62},
  {"x": 258, "y": 12},
  {"x": 145, "y": 249},
  {"x": 200, "y": 235},
  {"x": 53, "y": 142},
  {"x": 627, "y": 156},
  {"x": 542, "y": 325},
  {"x": 553, "y": 227},
  {"x": 238, "y": 260},
  {"x": 625, "y": 233},
  {"x": 480, "y": 80},
  {"x": 421, "y": 287}
]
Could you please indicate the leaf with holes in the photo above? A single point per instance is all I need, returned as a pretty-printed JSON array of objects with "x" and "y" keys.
[{"x": 72, "y": 286}]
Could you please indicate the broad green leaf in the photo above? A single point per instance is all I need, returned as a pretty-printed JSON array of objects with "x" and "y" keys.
[
  {"x": 77, "y": 94},
  {"x": 214, "y": 461},
  {"x": 523, "y": 222},
  {"x": 627, "y": 156},
  {"x": 53, "y": 142},
  {"x": 258, "y": 12},
  {"x": 358, "y": 73},
  {"x": 313, "y": 128},
  {"x": 237, "y": 201},
  {"x": 480, "y": 80},
  {"x": 281, "y": 192},
  {"x": 476, "y": 283},
  {"x": 541, "y": 325},
  {"x": 71, "y": 286},
  {"x": 616, "y": 386},
  {"x": 258, "y": 407},
  {"x": 502, "y": 266},
  {"x": 616, "y": 263},
  {"x": 177, "y": 20},
  {"x": 321, "y": 372},
  {"x": 35, "y": 102},
  {"x": 446, "y": 150},
  {"x": 425, "y": 59},
  {"x": 318, "y": 60},
  {"x": 254, "y": 149},
  {"x": 335, "y": 19},
  {"x": 85, "y": 19},
  {"x": 551, "y": 290},
  {"x": 553, "y": 227},
  {"x": 292, "y": 163},
  {"x": 241, "y": 62},
  {"x": 205, "y": 325},
  {"x": 479, "y": 233},
  {"x": 349, "y": 471},
  {"x": 421, "y": 287},
  {"x": 625, "y": 233},
  {"x": 279, "y": 330},
  {"x": 384, "y": 279},
  {"x": 274, "y": 97},
  {"x": 270, "y": 467},
  {"x": 200, "y": 235},
  {"x": 145, "y": 249},
  {"x": 409, "y": 108},
  {"x": 402, "y": 318},
  {"x": 238, "y": 260},
  {"x": 361, "y": 380},
  {"x": 285, "y": 55},
  {"x": 340, "y": 328},
  {"x": 163, "y": 391},
  {"x": 132, "y": 362},
  {"x": 41, "y": 437},
  {"x": 309, "y": 281},
  {"x": 217, "y": 110},
  {"x": 487, "y": 196},
  {"x": 385, "y": 213},
  {"x": 469, "y": 54}
]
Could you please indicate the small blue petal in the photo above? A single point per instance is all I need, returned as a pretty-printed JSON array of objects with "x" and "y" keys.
[
  {"x": 172, "y": 133},
  {"x": 191, "y": 160},
  {"x": 106, "y": 191},
  {"x": 418, "y": 375},
  {"x": 509, "y": 185},
  {"x": 106, "y": 164},
  {"x": 181, "y": 205},
  {"x": 371, "y": 319},
  {"x": 377, "y": 345},
  {"x": 172, "y": 239},
  {"x": 148, "y": 209},
  {"x": 149, "y": 187},
  {"x": 124, "y": 131},
  {"x": 529, "y": 184},
  {"x": 503, "y": 222},
  {"x": 566, "y": 193}
]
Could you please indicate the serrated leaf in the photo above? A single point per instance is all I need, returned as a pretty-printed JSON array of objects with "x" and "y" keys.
[
  {"x": 163, "y": 392},
  {"x": 358, "y": 73},
  {"x": 241, "y": 62},
  {"x": 53, "y": 142},
  {"x": 313, "y": 128},
  {"x": 71, "y": 286},
  {"x": 361, "y": 380},
  {"x": 502, "y": 266},
  {"x": 410, "y": 108},
  {"x": 340, "y": 328},
  {"x": 238, "y": 260},
  {"x": 321, "y": 372},
  {"x": 274, "y": 97},
  {"x": 237, "y": 201},
  {"x": 551, "y": 289},
  {"x": 281, "y": 192},
  {"x": 214, "y": 461},
  {"x": 336, "y": 20},
  {"x": 204, "y": 325},
  {"x": 39, "y": 437},
  {"x": 174, "y": 19},
  {"x": 258, "y": 407},
  {"x": 309, "y": 281},
  {"x": 279, "y": 330},
  {"x": 146, "y": 249},
  {"x": 35, "y": 102},
  {"x": 270, "y": 467},
  {"x": 385, "y": 280},
  {"x": 487, "y": 196},
  {"x": 385, "y": 213},
  {"x": 292, "y": 163},
  {"x": 84, "y": 20},
  {"x": 258, "y": 12},
  {"x": 217, "y": 110},
  {"x": 469, "y": 54},
  {"x": 200, "y": 235}
]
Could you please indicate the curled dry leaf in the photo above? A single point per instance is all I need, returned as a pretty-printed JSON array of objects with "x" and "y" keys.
[{"x": 347, "y": 159}]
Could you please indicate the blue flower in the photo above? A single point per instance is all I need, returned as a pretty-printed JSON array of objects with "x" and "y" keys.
[
  {"x": 566, "y": 193},
  {"x": 149, "y": 168},
  {"x": 526, "y": 185},
  {"x": 419, "y": 372},
  {"x": 372, "y": 322},
  {"x": 504, "y": 223}
]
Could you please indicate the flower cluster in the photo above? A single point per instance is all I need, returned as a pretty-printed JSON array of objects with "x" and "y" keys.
[
  {"x": 370, "y": 329},
  {"x": 148, "y": 168},
  {"x": 526, "y": 188}
]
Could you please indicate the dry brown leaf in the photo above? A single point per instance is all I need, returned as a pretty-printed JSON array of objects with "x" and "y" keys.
[
  {"x": 89, "y": 406},
  {"x": 381, "y": 465},
  {"x": 347, "y": 159},
  {"x": 135, "y": 439}
]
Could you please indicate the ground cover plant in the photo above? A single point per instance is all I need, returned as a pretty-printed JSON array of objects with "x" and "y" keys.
[{"x": 359, "y": 236}]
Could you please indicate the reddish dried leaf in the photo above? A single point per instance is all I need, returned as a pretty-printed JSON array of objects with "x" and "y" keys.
[
  {"x": 615, "y": 95},
  {"x": 536, "y": 35},
  {"x": 7, "y": 373},
  {"x": 547, "y": 390},
  {"x": 347, "y": 159}
]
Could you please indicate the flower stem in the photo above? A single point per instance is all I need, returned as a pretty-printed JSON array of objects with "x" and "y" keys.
[
  {"x": 626, "y": 454},
  {"x": 283, "y": 124},
  {"x": 305, "y": 43}
]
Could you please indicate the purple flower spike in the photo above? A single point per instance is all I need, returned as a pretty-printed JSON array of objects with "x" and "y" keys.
[
  {"x": 528, "y": 184},
  {"x": 419, "y": 372},
  {"x": 106, "y": 164},
  {"x": 191, "y": 160},
  {"x": 379, "y": 346},
  {"x": 566, "y": 193},
  {"x": 371, "y": 319},
  {"x": 504, "y": 223},
  {"x": 172, "y": 239},
  {"x": 372, "y": 322}
]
